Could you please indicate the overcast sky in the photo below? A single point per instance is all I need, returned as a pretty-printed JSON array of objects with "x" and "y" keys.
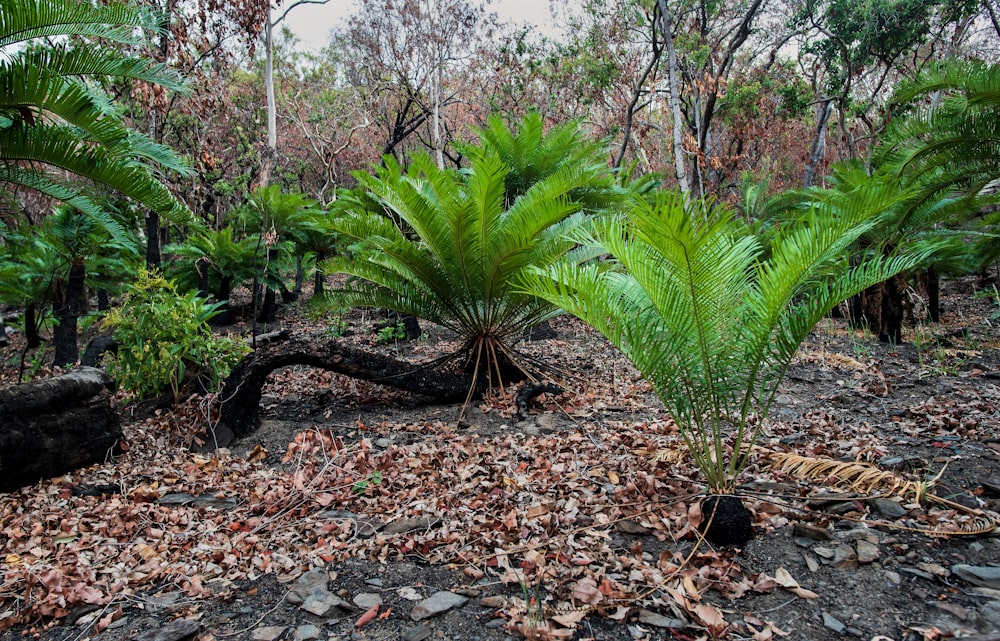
[{"x": 312, "y": 23}]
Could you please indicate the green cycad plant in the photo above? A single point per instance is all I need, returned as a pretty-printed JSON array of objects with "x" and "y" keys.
[
  {"x": 708, "y": 314},
  {"x": 54, "y": 118},
  {"x": 453, "y": 247}
]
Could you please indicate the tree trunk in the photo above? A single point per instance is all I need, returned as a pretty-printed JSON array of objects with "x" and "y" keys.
[
  {"x": 31, "y": 334},
  {"x": 319, "y": 278},
  {"x": 818, "y": 148},
  {"x": 270, "y": 154},
  {"x": 673, "y": 81},
  {"x": 66, "y": 310},
  {"x": 242, "y": 389},
  {"x": 933, "y": 294},
  {"x": 56, "y": 425}
]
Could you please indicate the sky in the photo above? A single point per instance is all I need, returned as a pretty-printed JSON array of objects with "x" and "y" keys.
[{"x": 312, "y": 22}]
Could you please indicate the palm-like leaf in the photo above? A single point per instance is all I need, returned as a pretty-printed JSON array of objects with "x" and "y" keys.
[
  {"x": 53, "y": 117},
  {"x": 709, "y": 316},
  {"x": 453, "y": 246}
]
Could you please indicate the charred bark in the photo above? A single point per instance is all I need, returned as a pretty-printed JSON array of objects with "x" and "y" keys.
[
  {"x": 933, "y": 294},
  {"x": 66, "y": 310},
  {"x": 242, "y": 389},
  {"x": 56, "y": 425}
]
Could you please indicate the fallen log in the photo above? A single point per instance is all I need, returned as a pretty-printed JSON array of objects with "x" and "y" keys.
[
  {"x": 241, "y": 390},
  {"x": 56, "y": 425}
]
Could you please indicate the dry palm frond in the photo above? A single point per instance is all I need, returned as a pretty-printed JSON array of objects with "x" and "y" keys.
[
  {"x": 668, "y": 455},
  {"x": 860, "y": 477}
]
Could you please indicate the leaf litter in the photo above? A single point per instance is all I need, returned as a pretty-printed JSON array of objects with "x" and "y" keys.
[{"x": 596, "y": 517}]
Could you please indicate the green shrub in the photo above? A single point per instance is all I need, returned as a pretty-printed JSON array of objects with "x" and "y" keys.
[{"x": 164, "y": 340}]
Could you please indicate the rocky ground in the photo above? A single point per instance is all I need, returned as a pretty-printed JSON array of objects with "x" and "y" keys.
[{"x": 359, "y": 512}]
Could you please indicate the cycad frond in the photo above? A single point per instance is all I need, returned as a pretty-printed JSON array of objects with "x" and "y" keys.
[
  {"x": 23, "y": 20},
  {"x": 709, "y": 317}
]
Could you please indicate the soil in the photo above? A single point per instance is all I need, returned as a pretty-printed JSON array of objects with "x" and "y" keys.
[{"x": 578, "y": 520}]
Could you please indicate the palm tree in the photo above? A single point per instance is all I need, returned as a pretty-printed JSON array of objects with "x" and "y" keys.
[
  {"x": 55, "y": 120},
  {"x": 454, "y": 242},
  {"x": 214, "y": 262},
  {"x": 709, "y": 314}
]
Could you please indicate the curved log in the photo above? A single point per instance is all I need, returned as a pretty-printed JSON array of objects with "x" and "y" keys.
[
  {"x": 242, "y": 389},
  {"x": 56, "y": 425}
]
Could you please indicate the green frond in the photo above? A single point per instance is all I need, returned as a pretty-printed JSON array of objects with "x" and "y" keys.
[{"x": 23, "y": 20}]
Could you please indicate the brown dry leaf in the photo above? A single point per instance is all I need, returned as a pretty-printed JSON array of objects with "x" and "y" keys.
[
  {"x": 785, "y": 580},
  {"x": 586, "y": 591},
  {"x": 259, "y": 453},
  {"x": 570, "y": 619},
  {"x": 709, "y": 616}
]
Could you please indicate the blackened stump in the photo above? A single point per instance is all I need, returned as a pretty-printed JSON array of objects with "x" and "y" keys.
[{"x": 726, "y": 520}]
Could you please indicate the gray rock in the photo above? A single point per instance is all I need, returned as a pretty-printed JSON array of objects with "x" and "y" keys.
[
  {"x": 832, "y": 623},
  {"x": 306, "y": 584},
  {"x": 989, "y": 615},
  {"x": 402, "y": 526},
  {"x": 845, "y": 557},
  {"x": 307, "y": 632},
  {"x": 375, "y": 582},
  {"x": 325, "y": 604},
  {"x": 437, "y": 603},
  {"x": 268, "y": 633},
  {"x": 166, "y": 602},
  {"x": 173, "y": 631},
  {"x": 867, "y": 552},
  {"x": 981, "y": 575},
  {"x": 825, "y": 553},
  {"x": 887, "y": 509},
  {"x": 496, "y": 623},
  {"x": 546, "y": 423},
  {"x": 659, "y": 621},
  {"x": 366, "y": 600},
  {"x": 418, "y": 633},
  {"x": 893, "y": 577}
]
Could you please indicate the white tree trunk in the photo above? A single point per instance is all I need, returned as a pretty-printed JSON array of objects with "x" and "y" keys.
[
  {"x": 270, "y": 154},
  {"x": 673, "y": 73}
]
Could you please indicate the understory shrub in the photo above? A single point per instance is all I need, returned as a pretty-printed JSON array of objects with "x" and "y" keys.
[{"x": 164, "y": 340}]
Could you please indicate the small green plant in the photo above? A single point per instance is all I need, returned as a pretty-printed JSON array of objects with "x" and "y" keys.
[
  {"x": 337, "y": 328},
  {"x": 164, "y": 339},
  {"x": 373, "y": 478},
  {"x": 392, "y": 333}
]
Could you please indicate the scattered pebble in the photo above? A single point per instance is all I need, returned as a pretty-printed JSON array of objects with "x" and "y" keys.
[
  {"x": 268, "y": 633},
  {"x": 436, "y": 604},
  {"x": 657, "y": 620},
  {"x": 981, "y": 575},
  {"x": 366, "y": 600},
  {"x": 832, "y": 623},
  {"x": 888, "y": 509},
  {"x": 418, "y": 633},
  {"x": 306, "y": 584},
  {"x": 307, "y": 632},
  {"x": 325, "y": 604},
  {"x": 845, "y": 557},
  {"x": 173, "y": 631},
  {"x": 867, "y": 552}
]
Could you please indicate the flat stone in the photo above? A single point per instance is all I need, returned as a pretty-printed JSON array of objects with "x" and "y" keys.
[
  {"x": 867, "y": 552},
  {"x": 887, "y": 509},
  {"x": 494, "y": 624},
  {"x": 173, "y": 631},
  {"x": 657, "y": 620},
  {"x": 268, "y": 633},
  {"x": 989, "y": 614},
  {"x": 324, "y": 604},
  {"x": 893, "y": 577},
  {"x": 825, "y": 553},
  {"x": 832, "y": 623},
  {"x": 981, "y": 575},
  {"x": 374, "y": 582},
  {"x": 811, "y": 562},
  {"x": 418, "y": 633},
  {"x": 631, "y": 527},
  {"x": 493, "y": 601},
  {"x": 845, "y": 557},
  {"x": 436, "y": 604},
  {"x": 367, "y": 600},
  {"x": 402, "y": 526},
  {"x": 165, "y": 602},
  {"x": 955, "y": 494},
  {"x": 307, "y": 632},
  {"x": 811, "y": 532},
  {"x": 306, "y": 584}
]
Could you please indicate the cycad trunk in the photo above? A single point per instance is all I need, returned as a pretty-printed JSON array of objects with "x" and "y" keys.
[
  {"x": 880, "y": 309},
  {"x": 66, "y": 309}
]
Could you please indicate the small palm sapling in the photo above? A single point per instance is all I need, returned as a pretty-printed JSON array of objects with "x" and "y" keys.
[{"x": 712, "y": 317}]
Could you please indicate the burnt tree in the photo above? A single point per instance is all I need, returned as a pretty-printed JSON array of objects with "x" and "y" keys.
[
  {"x": 56, "y": 425},
  {"x": 242, "y": 389}
]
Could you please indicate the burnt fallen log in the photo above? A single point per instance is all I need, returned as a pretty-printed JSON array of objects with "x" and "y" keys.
[
  {"x": 56, "y": 425},
  {"x": 241, "y": 391}
]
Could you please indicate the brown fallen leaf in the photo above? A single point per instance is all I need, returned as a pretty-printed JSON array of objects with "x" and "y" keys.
[
  {"x": 785, "y": 580},
  {"x": 367, "y": 617}
]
